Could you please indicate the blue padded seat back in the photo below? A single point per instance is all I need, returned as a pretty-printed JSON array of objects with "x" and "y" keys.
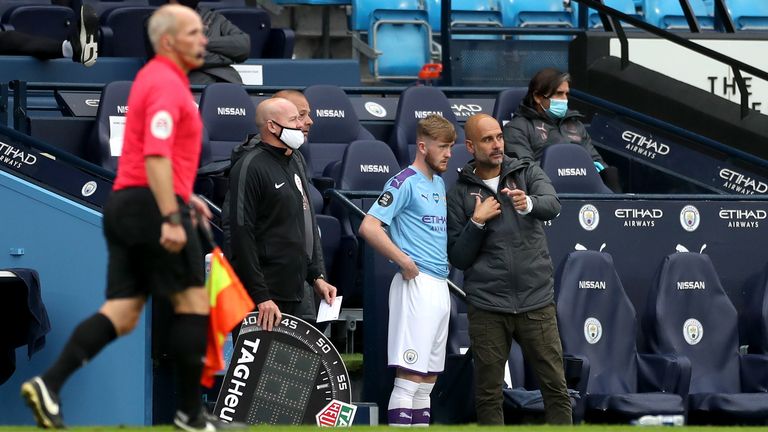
[
  {"x": 597, "y": 320},
  {"x": 228, "y": 115},
  {"x": 690, "y": 314},
  {"x": 571, "y": 169}
]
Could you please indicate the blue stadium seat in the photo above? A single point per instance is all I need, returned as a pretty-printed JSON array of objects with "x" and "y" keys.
[
  {"x": 689, "y": 313},
  {"x": 104, "y": 7},
  {"x": 365, "y": 166},
  {"x": 668, "y": 14},
  {"x": 254, "y": 21},
  {"x": 749, "y": 14},
  {"x": 391, "y": 30},
  {"x": 330, "y": 232},
  {"x": 229, "y": 117},
  {"x": 593, "y": 17},
  {"x": 105, "y": 149},
  {"x": 361, "y": 11},
  {"x": 507, "y": 102},
  {"x": 536, "y": 13},
  {"x": 122, "y": 32},
  {"x": 483, "y": 13},
  {"x": 416, "y": 103},
  {"x": 335, "y": 126},
  {"x": 55, "y": 22},
  {"x": 597, "y": 321},
  {"x": 459, "y": 157},
  {"x": 222, "y": 4},
  {"x": 755, "y": 319},
  {"x": 7, "y": 5},
  {"x": 571, "y": 170}
]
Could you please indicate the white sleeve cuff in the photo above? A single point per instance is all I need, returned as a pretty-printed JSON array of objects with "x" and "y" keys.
[{"x": 528, "y": 206}]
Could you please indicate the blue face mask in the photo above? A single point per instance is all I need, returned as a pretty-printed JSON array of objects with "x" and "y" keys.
[{"x": 558, "y": 107}]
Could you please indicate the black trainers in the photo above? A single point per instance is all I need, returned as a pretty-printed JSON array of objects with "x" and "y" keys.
[
  {"x": 43, "y": 402},
  {"x": 85, "y": 48},
  {"x": 204, "y": 422}
]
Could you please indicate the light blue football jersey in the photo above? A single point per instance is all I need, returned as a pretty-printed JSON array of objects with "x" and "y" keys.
[{"x": 415, "y": 209}]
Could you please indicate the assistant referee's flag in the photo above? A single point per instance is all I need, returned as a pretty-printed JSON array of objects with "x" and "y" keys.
[{"x": 230, "y": 303}]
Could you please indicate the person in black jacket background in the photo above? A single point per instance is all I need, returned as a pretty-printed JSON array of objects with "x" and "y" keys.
[
  {"x": 227, "y": 45},
  {"x": 544, "y": 118},
  {"x": 495, "y": 235},
  {"x": 275, "y": 243}
]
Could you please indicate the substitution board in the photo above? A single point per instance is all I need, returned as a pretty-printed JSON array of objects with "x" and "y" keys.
[{"x": 284, "y": 376}]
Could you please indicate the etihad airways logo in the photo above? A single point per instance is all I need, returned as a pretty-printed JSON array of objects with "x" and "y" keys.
[
  {"x": 15, "y": 157},
  {"x": 743, "y": 218},
  {"x": 638, "y": 217},
  {"x": 740, "y": 183},
  {"x": 643, "y": 145}
]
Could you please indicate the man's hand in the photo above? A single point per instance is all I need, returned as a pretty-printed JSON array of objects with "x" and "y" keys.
[
  {"x": 485, "y": 210},
  {"x": 409, "y": 270},
  {"x": 199, "y": 207},
  {"x": 518, "y": 198},
  {"x": 172, "y": 237},
  {"x": 325, "y": 290},
  {"x": 269, "y": 315}
]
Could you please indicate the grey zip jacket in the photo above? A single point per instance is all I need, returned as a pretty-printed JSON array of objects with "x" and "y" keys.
[
  {"x": 529, "y": 132},
  {"x": 506, "y": 263}
]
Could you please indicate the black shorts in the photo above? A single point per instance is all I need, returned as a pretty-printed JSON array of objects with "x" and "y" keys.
[{"x": 138, "y": 265}]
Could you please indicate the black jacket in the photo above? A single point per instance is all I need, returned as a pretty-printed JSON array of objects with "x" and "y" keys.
[
  {"x": 265, "y": 215},
  {"x": 506, "y": 264},
  {"x": 529, "y": 132}
]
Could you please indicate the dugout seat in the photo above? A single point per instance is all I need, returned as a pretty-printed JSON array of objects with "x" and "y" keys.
[
  {"x": 122, "y": 32},
  {"x": 689, "y": 313},
  {"x": 107, "y": 142},
  {"x": 537, "y": 13},
  {"x": 55, "y": 22},
  {"x": 571, "y": 170},
  {"x": 597, "y": 322},
  {"x": 459, "y": 157},
  {"x": 227, "y": 112},
  {"x": 335, "y": 126},
  {"x": 416, "y": 103},
  {"x": 506, "y": 104}
]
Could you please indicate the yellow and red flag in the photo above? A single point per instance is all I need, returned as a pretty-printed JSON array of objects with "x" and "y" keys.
[{"x": 230, "y": 303}]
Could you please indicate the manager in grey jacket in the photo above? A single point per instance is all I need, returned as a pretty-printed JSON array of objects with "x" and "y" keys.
[
  {"x": 227, "y": 45},
  {"x": 495, "y": 235}
]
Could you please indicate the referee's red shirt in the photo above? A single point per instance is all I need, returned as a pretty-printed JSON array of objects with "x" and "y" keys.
[{"x": 162, "y": 120}]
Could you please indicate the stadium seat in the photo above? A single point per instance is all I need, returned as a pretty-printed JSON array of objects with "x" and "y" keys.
[
  {"x": 55, "y": 22},
  {"x": 104, "y": 7},
  {"x": 365, "y": 166},
  {"x": 755, "y": 318},
  {"x": 507, "y": 102},
  {"x": 597, "y": 321},
  {"x": 459, "y": 157},
  {"x": 536, "y": 13},
  {"x": 122, "y": 32},
  {"x": 222, "y": 4},
  {"x": 107, "y": 143},
  {"x": 481, "y": 13},
  {"x": 254, "y": 21},
  {"x": 749, "y": 14},
  {"x": 330, "y": 232},
  {"x": 668, "y": 14},
  {"x": 7, "y": 5},
  {"x": 391, "y": 30},
  {"x": 593, "y": 17},
  {"x": 571, "y": 170},
  {"x": 229, "y": 117},
  {"x": 416, "y": 103},
  {"x": 335, "y": 126},
  {"x": 689, "y": 313},
  {"x": 361, "y": 11}
]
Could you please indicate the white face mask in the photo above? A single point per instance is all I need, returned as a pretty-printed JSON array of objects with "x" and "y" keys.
[{"x": 291, "y": 137}]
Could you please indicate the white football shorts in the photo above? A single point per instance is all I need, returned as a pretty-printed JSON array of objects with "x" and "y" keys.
[{"x": 419, "y": 311}]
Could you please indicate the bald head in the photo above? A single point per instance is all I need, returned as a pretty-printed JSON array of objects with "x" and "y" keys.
[
  {"x": 176, "y": 32},
  {"x": 477, "y": 124}
]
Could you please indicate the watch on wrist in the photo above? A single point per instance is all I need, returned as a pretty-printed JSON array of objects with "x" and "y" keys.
[
  {"x": 320, "y": 276},
  {"x": 173, "y": 218}
]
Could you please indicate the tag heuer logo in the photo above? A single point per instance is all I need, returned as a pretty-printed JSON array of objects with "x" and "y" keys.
[{"x": 336, "y": 414}]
